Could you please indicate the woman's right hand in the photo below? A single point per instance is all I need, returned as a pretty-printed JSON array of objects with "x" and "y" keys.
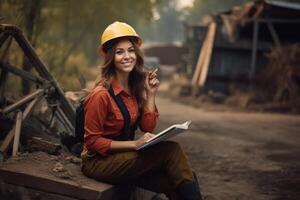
[{"x": 143, "y": 139}]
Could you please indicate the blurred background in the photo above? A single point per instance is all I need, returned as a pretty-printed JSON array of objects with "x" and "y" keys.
[{"x": 241, "y": 55}]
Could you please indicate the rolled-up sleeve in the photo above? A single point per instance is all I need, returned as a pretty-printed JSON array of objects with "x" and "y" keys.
[
  {"x": 95, "y": 114},
  {"x": 148, "y": 121}
]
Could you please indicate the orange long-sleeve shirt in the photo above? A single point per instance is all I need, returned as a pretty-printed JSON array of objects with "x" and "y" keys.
[{"x": 103, "y": 117}]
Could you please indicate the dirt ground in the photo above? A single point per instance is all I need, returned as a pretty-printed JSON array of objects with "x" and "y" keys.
[{"x": 239, "y": 155}]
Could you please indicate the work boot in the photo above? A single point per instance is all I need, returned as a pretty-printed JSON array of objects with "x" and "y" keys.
[{"x": 189, "y": 191}]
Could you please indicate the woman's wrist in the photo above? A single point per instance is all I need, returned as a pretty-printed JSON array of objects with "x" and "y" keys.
[
  {"x": 150, "y": 94},
  {"x": 134, "y": 145}
]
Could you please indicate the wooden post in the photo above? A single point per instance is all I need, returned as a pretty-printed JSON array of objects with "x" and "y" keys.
[
  {"x": 207, "y": 57},
  {"x": 9, "y": 137},
  {"x": 200, "y": 61},
  {"x": 18, "y": 127}
]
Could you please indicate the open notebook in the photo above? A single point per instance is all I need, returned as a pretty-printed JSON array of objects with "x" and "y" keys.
[{"x": 166, "y": 134}]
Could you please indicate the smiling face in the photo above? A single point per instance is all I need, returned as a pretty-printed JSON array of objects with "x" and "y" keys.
[{"x": 125, "y": 56}]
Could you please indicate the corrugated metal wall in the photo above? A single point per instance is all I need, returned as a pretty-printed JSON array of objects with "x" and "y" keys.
[{"x": 230, "y": 62}]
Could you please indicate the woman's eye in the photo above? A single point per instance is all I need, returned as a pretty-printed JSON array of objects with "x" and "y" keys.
[
  {"x": 131, "y": 50},
  {"x": 119, "y": 52}
]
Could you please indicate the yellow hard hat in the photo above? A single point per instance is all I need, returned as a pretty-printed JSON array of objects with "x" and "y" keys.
[{"x": 117, "y": 30}]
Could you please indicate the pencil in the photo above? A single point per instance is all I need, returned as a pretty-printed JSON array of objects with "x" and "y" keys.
[{"x": 153, "y": 72}]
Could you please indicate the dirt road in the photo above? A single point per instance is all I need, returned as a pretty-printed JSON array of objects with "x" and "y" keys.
[{"x": 239, "y": 156}]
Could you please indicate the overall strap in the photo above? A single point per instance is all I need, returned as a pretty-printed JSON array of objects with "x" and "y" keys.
[{"x": 127, "y": 135}]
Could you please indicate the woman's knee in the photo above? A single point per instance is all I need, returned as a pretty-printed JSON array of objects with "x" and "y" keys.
[{"x": 171, "y": 145}]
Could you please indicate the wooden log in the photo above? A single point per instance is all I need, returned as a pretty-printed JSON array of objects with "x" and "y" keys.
[
  {"x": 37, "y": 143},
  {"x": 18, "y": 126}
]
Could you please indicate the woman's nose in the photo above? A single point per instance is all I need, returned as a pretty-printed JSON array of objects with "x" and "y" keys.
[{"x": 126, "y": 54}]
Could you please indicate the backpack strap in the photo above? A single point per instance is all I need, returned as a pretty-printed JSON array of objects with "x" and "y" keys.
[
  {"x": 127, "y": 131},
  {"x": 138, "y": 121}
]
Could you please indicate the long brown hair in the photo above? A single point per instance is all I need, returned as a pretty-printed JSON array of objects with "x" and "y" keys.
[{"x": 136, "y": 77}]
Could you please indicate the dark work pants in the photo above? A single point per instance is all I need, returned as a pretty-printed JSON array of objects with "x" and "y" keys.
[{"x": 159, "y": 168}]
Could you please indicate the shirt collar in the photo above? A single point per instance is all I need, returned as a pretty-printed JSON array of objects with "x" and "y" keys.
[{"x": 116, "y": 86}]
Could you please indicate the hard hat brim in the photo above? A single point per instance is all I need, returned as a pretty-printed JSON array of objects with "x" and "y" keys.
[{"x": 101, "y": 49}]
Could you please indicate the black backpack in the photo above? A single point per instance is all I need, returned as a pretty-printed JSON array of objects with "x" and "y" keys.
[{"x": 75, "y": 143}]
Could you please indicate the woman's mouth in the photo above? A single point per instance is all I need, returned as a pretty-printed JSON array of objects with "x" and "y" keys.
[{"x": 126, "y": 64}]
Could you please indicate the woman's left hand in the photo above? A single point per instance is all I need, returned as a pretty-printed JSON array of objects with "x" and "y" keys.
[{"x": 152, "y": 83}]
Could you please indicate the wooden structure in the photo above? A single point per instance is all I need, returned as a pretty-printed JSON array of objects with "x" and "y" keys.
[
  {"x": 243, "y": 35},
  {"x": 48, "y": 88}
]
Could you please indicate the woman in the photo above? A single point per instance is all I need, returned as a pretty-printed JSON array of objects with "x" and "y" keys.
[{"x": 163, "y": 167}]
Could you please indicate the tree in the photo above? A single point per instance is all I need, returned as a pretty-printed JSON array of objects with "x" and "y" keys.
[{"x": 68, "y": 30}]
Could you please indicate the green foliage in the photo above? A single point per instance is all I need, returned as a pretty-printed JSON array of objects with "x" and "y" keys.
[{"x": 66, "y": 33}]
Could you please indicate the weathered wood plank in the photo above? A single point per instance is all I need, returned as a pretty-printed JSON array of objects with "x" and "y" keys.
[
  {"x": 25, "y": 75},
  {"x": 204, "y": 69},
  {"x": 15, "y": 192},
  {"x": 17, "y": 134},
  {"x": 48, "y": 185}
]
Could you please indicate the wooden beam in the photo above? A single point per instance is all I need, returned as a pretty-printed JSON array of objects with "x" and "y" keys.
[
  {"x": 23, "y": 74},
  {"x": 202, "y": 53},
  {"x": 23, "y": 101},
  {"x": 207, "y": 57},
  {"x": 41, "y": 68},
  {"x": 3, "y": 38},
  {"x": 5, "y": 52},
  {"x": 17, "y": 133}
]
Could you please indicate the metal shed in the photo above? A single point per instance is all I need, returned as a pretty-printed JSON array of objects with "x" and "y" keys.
[{"x": 242, "y": 36}]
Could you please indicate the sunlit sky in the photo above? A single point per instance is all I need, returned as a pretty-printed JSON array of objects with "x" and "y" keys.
[{"x": 185, "y": 3}]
